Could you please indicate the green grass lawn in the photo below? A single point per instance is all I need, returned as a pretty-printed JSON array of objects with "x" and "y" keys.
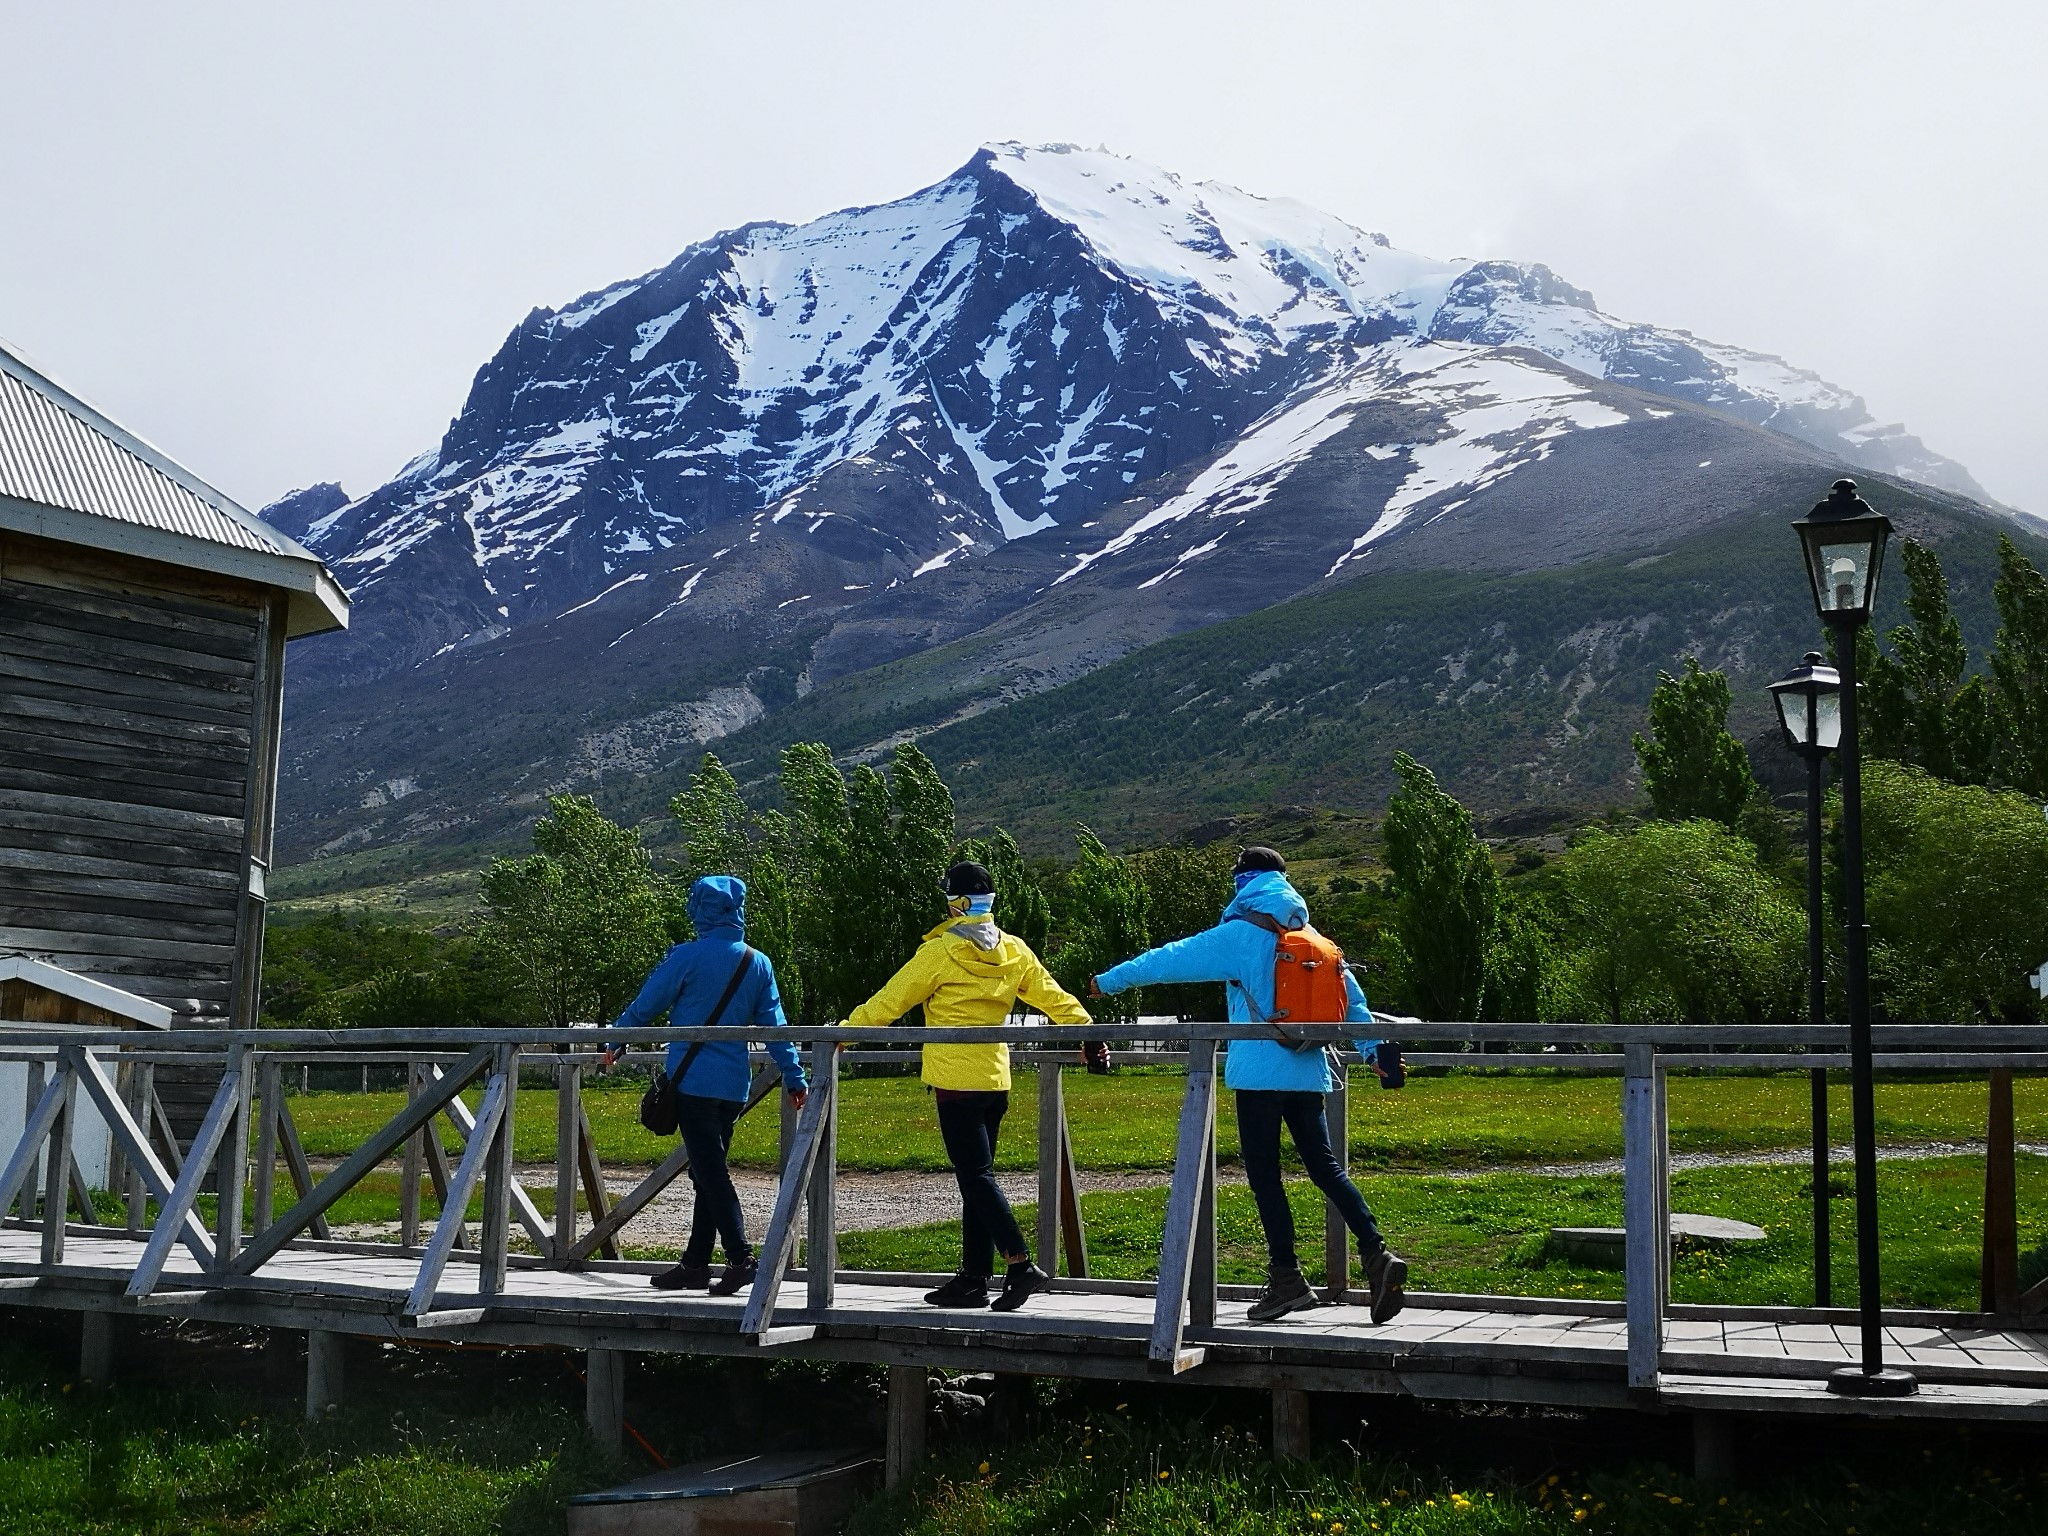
[
  {"x": 1487, "y": 1234},
  {"x": 1127, "y": 1120}
]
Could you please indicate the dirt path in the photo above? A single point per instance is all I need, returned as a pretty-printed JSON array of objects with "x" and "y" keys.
[{"x": 874, "y": 1201}]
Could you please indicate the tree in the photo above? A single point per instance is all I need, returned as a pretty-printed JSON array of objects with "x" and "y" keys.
[
  {"x": 1691, "y": 766},
  {"x": 1101, "y": 920},
  {"x": 1958, "y": 897},
  {"x": 1920, "y": 707},
  {"x": 579, "y": 922},
  {"x": 2019, "y": 672},
  {"x": 1186, "y": 890},
  {"x": 722, "y": 836},
  {"x": 1446, "y": 893},
  {"x": 1513, "y": 993},
  {"x": 1675, "y": 922}
]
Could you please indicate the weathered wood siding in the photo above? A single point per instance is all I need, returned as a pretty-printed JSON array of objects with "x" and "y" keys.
[{"x": 137, "y": 768}]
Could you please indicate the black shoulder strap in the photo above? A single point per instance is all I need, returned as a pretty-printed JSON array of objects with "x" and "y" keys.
[{"x": 717, "y": 1013}]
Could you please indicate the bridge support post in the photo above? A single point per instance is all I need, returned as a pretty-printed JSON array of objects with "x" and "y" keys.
[
  {"x": 324, "y": 1377},
  {"x": 604, "y": 1400},
  {"x": 96, "y": 1348},
  {"x": 1290, "y": 1424},
  {"x": 908, "y": 1393},
  {"x": 1716, "y": 1450},
  {"x": 1337, "y": 1236}
]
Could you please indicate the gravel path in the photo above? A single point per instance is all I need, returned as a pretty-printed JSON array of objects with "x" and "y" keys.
[{"x": 875, "y": 1201}]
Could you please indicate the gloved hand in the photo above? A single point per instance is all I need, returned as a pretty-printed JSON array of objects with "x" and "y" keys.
[{"x": 1096, "y": 1054}]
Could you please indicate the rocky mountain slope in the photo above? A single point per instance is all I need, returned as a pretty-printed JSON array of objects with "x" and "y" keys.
[{"x": 1051, "y": 410}]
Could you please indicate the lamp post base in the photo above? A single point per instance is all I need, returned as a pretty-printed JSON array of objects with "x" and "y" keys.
[{"x": 1854, "y": 1381}]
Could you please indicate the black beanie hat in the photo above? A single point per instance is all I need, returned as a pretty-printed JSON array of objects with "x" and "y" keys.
[
  {"x": 1258, "y": 860},
  {"x": 968, "y": 878}
]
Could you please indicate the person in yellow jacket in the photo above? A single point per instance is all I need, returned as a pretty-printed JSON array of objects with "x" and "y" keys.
[{"x": 967, "y": 972}]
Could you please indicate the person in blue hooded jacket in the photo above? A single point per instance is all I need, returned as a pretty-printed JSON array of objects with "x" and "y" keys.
[
  {"x": 712, "y": 1078},
  {"x": 1274, "y": 1084}
]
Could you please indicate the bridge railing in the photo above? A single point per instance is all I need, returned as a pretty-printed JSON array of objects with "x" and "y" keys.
[{"x": 162, "y": 1181}]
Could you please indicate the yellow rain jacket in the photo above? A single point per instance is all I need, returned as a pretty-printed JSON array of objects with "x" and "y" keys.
[{"x": 968, "y": 972}]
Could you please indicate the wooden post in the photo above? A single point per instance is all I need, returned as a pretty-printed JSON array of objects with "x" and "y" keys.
[
  {"x": 141, "y": 1090},
  {"x": 1646, "y": 1251},
  {"x": 231, "y": 1164},
  {"x": 1823, "y": 1258},
  {"x": 1202, "y": 1260},
  {"x": 821, "y": 1252},
  {"x": 409, "y": 1168},
  {"x": 1716, "y": 1450},
  {"x": 57, "y": 1170},
  {"x": 1052, "y": 1114},
  {"x": 1290, "y": 1424},
  {"x": 324, "y": 1372},
  {"x": 568, "y": 1104},
  {"x": 908, "y": 1394},
  {"x": 1999, "y": 1280},
  {"x": 117, "y": 1159},
  {"x": 1072, "y": 1228},
  {"x": 498, "y": 1165},
  {"x": 32, "y": 1178},
  {"x": 264, "y": 1179},
  {"x": 96, "y": 1348},
  {"x": 604, "y": 1400},
  {"x": 1193, "y": 1178},
  {"x": 1337, "y": 1236}
]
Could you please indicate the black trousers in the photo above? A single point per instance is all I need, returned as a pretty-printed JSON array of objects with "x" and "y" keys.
[
  {"x": 1260, "y": 1114},
  {"x": 707, "y": 1125},
  {"x": 969, "y": 1124}
]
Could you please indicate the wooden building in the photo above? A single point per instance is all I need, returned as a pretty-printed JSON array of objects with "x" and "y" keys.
[{"x": 143, "y": 624}]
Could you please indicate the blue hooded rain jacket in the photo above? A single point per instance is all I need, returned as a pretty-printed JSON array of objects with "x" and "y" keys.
[
  {"x": 688, "y": 983},
  {"x": 1240, "y": 955}
]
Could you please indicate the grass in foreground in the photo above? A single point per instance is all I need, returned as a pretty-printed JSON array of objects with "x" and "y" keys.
[
  {"x": 1108, "y": 1475},
  {"x": 1487, "y": 1234},
  {"x": 1127, "y": 1120}
]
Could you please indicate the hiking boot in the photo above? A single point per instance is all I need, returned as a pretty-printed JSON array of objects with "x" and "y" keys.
[
  {"x": 1286, "y": 1291},
  {"x": 1386, "y": 1280},
  {"x": 1022, "y": 1283},
  {"x": 686, "y": 1276},
  {"x": 963, "y": 1291},
  {"x": 737, "y": 1277}
]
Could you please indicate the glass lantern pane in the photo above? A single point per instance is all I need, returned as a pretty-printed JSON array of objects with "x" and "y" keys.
[
  {"x": 1828, "y": 721},
  {"x": 1844, "y": 576},
  {"x": 1791, "y": 712}
]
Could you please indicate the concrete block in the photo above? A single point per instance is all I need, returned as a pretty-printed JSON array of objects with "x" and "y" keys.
[{"x": 783, "y": 1493}]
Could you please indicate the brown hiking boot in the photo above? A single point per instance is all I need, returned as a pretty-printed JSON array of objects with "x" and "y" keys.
[{"x": 1286, "y": 1291}]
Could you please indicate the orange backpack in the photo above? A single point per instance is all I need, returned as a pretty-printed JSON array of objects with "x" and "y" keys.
[{"x": 1308, "y": 975}]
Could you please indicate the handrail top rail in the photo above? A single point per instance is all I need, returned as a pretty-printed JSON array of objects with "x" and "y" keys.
[{"x": 582, "y": 1037}]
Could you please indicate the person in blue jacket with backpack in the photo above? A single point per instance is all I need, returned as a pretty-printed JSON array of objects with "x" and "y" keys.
[
  {"x": 715, "y": 979},
  {"x": 1275, "y": 1083}
]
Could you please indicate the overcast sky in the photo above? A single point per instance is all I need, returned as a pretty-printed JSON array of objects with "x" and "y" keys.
[{"x": 279, "y": 240}]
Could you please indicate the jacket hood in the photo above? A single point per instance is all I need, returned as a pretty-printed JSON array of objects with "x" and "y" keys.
[
  {"x": 718, "y": 901},
  {"x": 991, "y": 945},
  {"x": 1269, "y": 895}
]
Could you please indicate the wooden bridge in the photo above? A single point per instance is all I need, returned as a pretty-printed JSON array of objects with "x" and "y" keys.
[{"x": 520, "y": 1277}]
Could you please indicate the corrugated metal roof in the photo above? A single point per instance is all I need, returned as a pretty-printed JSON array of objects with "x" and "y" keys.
[{"x": 57, "y": 451}]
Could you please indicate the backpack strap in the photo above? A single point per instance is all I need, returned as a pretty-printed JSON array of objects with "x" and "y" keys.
[{"x": 717, "y": 1013}]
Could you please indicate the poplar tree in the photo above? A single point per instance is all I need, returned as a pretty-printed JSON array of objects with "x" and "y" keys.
[
  {"x": 1446, "y": 893},
  {"x": 2019, "y": 672},
  {"x": 1692, "y": 767}
]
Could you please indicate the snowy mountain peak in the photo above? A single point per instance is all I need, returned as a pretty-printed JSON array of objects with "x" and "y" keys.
[{"x": 1019, "y": 345}]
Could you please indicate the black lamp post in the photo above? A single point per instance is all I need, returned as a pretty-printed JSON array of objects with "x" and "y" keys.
[
  {"x": 1809, "y": 700},
  {"x": 1844, "y": 540}
]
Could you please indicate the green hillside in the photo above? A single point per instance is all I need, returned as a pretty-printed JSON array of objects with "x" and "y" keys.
[{"x": 1520, "y": 689}]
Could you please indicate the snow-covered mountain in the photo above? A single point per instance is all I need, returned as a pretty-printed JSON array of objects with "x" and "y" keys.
[
  {"x": 1022, "y": 344},
  {"x": 1061, "y": 400}
]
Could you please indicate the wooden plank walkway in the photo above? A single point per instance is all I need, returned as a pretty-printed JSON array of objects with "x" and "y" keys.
[{"x": 1537, "y": 1351}]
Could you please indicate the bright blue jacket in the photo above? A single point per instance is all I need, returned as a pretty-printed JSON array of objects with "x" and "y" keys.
[
  {"x": 688, "y": 983},
  {"x": 1240, "y": 954}
]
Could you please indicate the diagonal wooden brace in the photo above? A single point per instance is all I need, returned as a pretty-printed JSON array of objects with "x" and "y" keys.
[
  {"x": 1184, "y": 1203},
  {"x": 156, "y": 1178},
  {"x": 766, "y": 1080},
  {"x": 33, "y": 1134},
  {"x": 170, "y": 1220},
  {"x": 522, "y": 1203},
  {"x": 416, "y": 1113},
  {"x": 782, "y": 1227},
  {"x": 467, "y": 1173}
]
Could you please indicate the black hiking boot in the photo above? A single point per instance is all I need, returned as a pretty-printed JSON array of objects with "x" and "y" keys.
[
  {"x": 686, "y": 1276},
  {"x": 963, "y": 1291},
  {"x": 737, "y": 1277},
  {"x": 1386, "y": 1281},
  {"x": 1286, "y": 1291},
  {"x": 1021, "y": 1283}
]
